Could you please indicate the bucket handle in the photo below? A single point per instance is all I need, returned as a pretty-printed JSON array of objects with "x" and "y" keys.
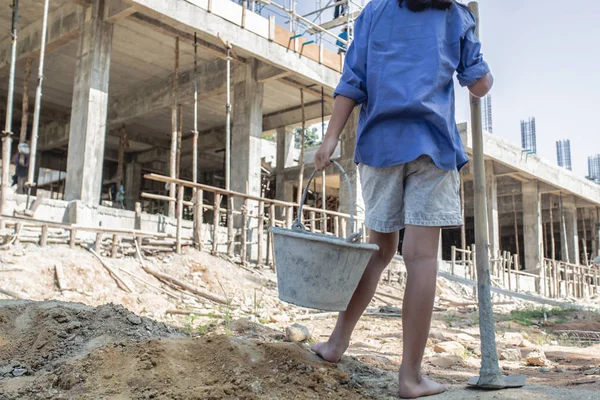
[{"x": 297, "y": 225}]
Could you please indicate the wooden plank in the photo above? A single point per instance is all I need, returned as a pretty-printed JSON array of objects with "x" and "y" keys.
[
  {"x": 115, "y": 246},
  {"x": 44, "y": 236},
  {"x": 73, "y": 238}
]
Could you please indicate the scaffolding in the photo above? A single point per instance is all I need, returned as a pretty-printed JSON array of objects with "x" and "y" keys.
[
  {"x": 528, "y": 136},
  {"x": 486, "y": 113},
  {"x": 594, "y": 168},
  {"x": 563, "y": 154}
]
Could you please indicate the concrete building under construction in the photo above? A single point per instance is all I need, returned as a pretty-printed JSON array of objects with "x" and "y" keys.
[{"x": 174, "y": 101}]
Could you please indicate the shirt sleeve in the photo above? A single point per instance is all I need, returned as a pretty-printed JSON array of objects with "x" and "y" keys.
[
  {"x": 472, "y": 67},
  {"x": 354, "y": 77}
]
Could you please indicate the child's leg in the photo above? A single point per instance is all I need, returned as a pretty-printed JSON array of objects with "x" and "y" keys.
[
  {"x": 420, "y": 250},
  {"x": 337, "y": 344}
]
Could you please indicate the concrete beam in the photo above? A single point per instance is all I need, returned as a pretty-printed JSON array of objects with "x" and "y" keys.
[
  {"x": 293, "y": 116},
  {"x": 64, "y": 23},
  {"x": 195, "y": 18}
]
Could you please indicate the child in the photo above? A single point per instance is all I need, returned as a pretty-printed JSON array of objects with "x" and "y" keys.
[{"x": 400, "y": 68}]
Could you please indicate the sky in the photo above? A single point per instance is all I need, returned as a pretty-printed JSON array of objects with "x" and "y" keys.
[{"x": 545, "y": 56}]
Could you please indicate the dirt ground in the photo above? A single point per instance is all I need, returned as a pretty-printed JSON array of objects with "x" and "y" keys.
[{"x": 84, "y": 338}]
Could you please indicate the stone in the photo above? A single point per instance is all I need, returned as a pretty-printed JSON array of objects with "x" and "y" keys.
[
  {"x": 437, "y": 335},
  {"x": 513, "y": 338},
  {"x": 463, "y": 337},
  {"x": 19, "y": 372},
  {"x": 297, "y": 333},
  {"x": 592, "y": 371},
  {"x": 554, "y": 343},
  {"x": 537, "y": 358},
  {"x": 510, "y": 355},
  {"x": 453, "y": 348},
  {"x": 526, "y": 344},
  {"x": 444, "y": 362},
  {"x": 544, "y": 369},
  {"x": 280, "y": 318},
  {"x": 134, "y": 319}
]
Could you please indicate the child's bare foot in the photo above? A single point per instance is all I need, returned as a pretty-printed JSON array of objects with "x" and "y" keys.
[
  {"x": 328, "y": 351},
  {"x": 415, "y": 388}
]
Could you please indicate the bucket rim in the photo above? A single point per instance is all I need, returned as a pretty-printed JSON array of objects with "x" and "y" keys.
[{"x": 319, "y": 237}]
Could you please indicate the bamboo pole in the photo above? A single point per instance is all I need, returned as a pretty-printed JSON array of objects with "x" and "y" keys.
[
  {"x": 552, "y": 242},
  {"x": 195, "y": 150},
  {"x": 174, "y": 128},
  {"x": 228, "y": 124},
  {"x": 180, "y": 192},
  {"x": 230, "y": 231},
  {"x": 260, "y": 234},
  {"x": 302, "y": 144},
  {"x": 490, "y": 371},
  {"x": 25, "y": 104},
  {"x": 216, "y": 215},
  {"x": 38, "y": 104},
  {"x": 179, "y": 138},
  {"x": 198, "y": 217}
]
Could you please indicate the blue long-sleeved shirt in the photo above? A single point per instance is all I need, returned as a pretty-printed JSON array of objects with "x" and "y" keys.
[{"x": 400, "y": 67}]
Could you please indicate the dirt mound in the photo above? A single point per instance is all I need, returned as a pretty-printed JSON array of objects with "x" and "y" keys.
[{"x": 35, "y": 336}]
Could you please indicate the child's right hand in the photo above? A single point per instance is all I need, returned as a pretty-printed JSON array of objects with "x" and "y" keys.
[{"x": 325, "y": 152}]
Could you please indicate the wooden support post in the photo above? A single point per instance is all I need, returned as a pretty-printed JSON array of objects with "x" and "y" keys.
[
  {"x": 510, "y": 262},
  {"x": 344, "y": 227},
  {"x": 44, "y": 236},
  {"x": 180, "y": 193},
  {"x": 98, "y": 242},
  {"x": 552, "y": 242},
  {"x": 121, "y": 161},
  {"x": 595, "y": 280},
  {"x": 271, "y": 249},
  {"x": 244, "y": 251},
  {"x": 72, "y": 238},
  {"x": 516, "y": 227},
  {"x": 216, "y": 217},
  {"x": 463, "y": 228},
  {"x": 260, "y": 234},
  {"x": 230, "y": 230},
  {"x": 289, "y": 217},
  {"x": 586, "y": 260},
  {"x": 313, "y": 221},
  {"x": 453, "y": 259},
  {"x": 336, "y": 226},
  {"x": 25, "y": 109},
  {"x": 115, "y": 246},
  {"x": 302, "y": 145},
  {"x": 198, "y": 218},
  {"x": 179, "y": 138},
  {"x": 174, "y": 128}
]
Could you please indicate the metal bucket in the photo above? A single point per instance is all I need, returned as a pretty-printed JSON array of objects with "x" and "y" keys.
[{"x": 316, "y": 270}]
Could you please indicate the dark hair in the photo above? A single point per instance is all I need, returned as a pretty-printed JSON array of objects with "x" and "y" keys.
[{"x": 421, "y": 5}]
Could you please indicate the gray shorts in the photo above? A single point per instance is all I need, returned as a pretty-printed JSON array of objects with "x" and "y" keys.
[{"x": 418, "y": 193}]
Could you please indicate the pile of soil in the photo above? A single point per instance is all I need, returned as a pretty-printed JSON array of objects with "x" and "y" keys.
[
  {"x": 64, "y": 350},
  {"x": 37, "y": 336}
]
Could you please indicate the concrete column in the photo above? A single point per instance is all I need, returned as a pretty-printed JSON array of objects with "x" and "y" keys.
[
  {"x": 571, "y": 231},
  {"x": 532, "y": 225},
  {"x": 348, "y": 144},
  {"x": 596, "y": 233},
  {"x": 246, "y": 137},
  {"x": 285, "y": 159},
  {"x": 492, "y": 209},
  {"x": 89, "y": 108},
  {"x": 133, "y": 184},
  {"x": 564, "y": 248}
]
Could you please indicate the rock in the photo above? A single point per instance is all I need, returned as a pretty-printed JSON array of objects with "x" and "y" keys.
[
  {"x": 554, "y": 343},
  {"x": 437, "y": 335},
  {"x": 592, "y": 371},
  {"x": 453, "y": 348},
  {"x": 280, "y": 318},
  {"x": 444, "y": 362},
  {"x": 513, "y": 338},
  {"x": 256, "y": 387},
  {"x": 297, "y": 333},
  {"x": 19, "y": 372},
  {"x": 559, "y": 369},
  {"x": 526, "y": 344},
  {"x": 463, "y": 337},
  {"x": 537, "y": 358},
  {"x": 510, "y": 355},
  {"x": 544, "y": 369},
  {"x": 134, "y": 319}
]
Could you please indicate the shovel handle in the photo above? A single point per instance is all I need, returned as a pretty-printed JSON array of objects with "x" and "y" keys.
[{"x": 354, "y": 236}]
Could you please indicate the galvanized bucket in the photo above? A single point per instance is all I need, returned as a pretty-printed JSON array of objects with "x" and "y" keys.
[{"x": 316, "y": 270}]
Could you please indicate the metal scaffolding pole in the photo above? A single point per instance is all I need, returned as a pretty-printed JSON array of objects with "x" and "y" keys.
[
  {"x": 7, "y": 133},
  {"x": 38, "y": 104},
  {"x": 228, "y": 124},
  {"x": 174, "y": 130},
  {"x": 195, "y": 160}
]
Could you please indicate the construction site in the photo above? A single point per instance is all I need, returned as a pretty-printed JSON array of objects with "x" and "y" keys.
[{"x": 165, "y": 137}]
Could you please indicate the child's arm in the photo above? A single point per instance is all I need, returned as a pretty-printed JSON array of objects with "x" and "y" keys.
[
  {"x": 342, "y": 108},
  {"x": 473, "y": 72}
]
